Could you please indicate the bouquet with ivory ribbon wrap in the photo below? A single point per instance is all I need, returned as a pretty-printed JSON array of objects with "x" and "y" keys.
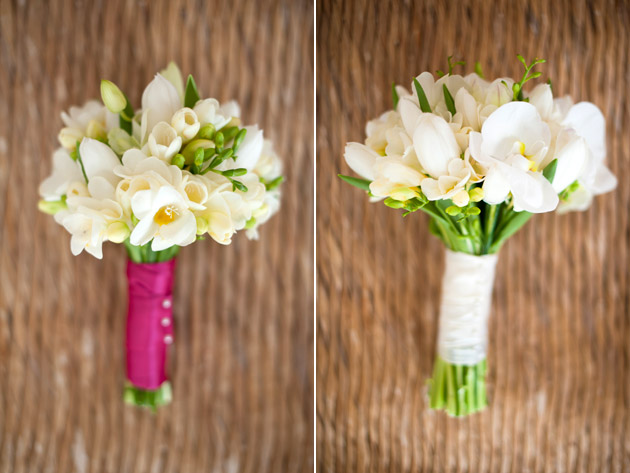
[
  {"x": 480, "y": 157},
  {"x": 156, "y": 179}
]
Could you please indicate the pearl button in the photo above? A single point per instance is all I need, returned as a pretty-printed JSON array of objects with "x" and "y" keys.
[
  {"x": 168, "y": 339},
  {"x": 166, "y": 322},
  {"x": 166, "y": 303}
]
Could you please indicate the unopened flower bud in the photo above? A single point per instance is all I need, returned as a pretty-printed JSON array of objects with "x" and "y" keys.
[
  {"x": 202, "y": 225},
  {"x": 219, "y": 140},
  {"x": 476, "y": 194},
  {"x": 453, "y": 210},
  {"x": 68, "y": 137},
  {"x": 178, "y": 160},
  {"x": 117, "y": 232},
  {"x": 112, "y": 96},
  {"x": 51, "y": 207},
  {"x": 461, "y": 199},
  {"x": 207, "y": 131}
]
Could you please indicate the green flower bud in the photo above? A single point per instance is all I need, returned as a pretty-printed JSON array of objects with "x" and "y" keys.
[
  {"x": 229, "y": 132},
  {"x": 453, "y": 210},
  {"x": 219, "y": 140},
  {"x": 178, "y": 160},
  {"x": 190, "y": 148},
  {"x": 202, "y": 225},
  {"x": 198, "y": 161},
  {"x": 207, "y": 132},
  {"x": 112, "y": 96},
  {"x": 51, "y": 207},
  {"x": 393, "y": 203},
  {"x": 476, "y": 194},
  {"x": 472, "y": 211},
  {"x": 240, "y": 136}
]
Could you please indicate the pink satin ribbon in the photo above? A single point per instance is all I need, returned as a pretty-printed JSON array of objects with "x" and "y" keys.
[{"x": 149, "y": 322}]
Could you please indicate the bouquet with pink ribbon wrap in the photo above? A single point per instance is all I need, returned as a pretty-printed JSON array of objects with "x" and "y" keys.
[
  {"x": 480, "y": 158},
  {"x": 156, "y": 179}
]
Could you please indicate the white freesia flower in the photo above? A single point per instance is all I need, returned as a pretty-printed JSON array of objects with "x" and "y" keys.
[
  {"x": 164, "y": 217},
  {"x": 395, "y": 178},
  {"x": 164, "y": 142},
  {"x": 210, "y": 111},
  {"x": 87, "y": 220},
  {"x": 217, "y": 219},
  {"x": 99, "y": 162},
  {"x": 376, "y": 131},
  {"x": 65, "y": 172},
  {"x": 512, "y": 145},
  {"x": 250, "y": 150},
  {"x": 451, "y": 185},
  {"x": 269, "y": 166},
  {"x": 139, "y": 172},
  {"x": 160, "y": 101},
  {"x": 589, "y": 123},
  {"x": 186, "y": 124},
  {"x": 174, "y": 76},
  {"x": 92, "y": 120}
]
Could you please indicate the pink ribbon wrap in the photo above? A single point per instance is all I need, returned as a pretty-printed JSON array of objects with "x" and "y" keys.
[{"x": 149, "y": 322}]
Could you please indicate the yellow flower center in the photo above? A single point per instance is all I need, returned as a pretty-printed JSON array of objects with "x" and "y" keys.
[
  {"x": 533, "y": 166},
  {"x": 166, "y": 215}
]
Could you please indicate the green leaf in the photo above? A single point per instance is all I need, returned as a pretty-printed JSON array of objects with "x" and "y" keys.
[
  {"x": 87, "y": 181},
  {"x": 362, "y": 184},
  {"x": 508, "y": 228},
  {"x": 478, "y": 70},
  {"x": 273, "y": 184},
  {"x": 550, "y": 170},
  {"x": 448, "y": 98},
  {"x": 191, "y": 96},
  {"x": 422, "y": 98},
  {"x": 395, "y": 97}
]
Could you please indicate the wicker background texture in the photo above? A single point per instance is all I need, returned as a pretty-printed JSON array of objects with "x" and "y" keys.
[
  {"x": 559, "y": 353},
  {"x": 242, "y": 362}
]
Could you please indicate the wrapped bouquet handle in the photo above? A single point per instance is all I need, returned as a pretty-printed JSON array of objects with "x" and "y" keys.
[
  {"x": 149, "y": 331},
  {"x": 458, "y": 382}
]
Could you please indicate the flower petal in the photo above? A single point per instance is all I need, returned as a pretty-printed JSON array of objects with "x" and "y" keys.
[
  {"x": 515, "y": 121},
  {"x": 435, "y": 144},
  {"x": 361, "y": 160},
  {"x": 589, "y": 122},
  {"x": 250, "y": 150},
  {"x": 98, "y": 160},
  {"x": 495, "y": 187},
  {"x": 572, "y": 155}
]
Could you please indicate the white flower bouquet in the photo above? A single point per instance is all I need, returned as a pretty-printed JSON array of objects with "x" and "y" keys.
[
  {"x": 480, "y": 158},
  {"x": 157, "y": 179}
]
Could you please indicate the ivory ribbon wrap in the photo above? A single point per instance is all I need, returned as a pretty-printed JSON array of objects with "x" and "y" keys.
[
  {"x": 149, "y": 322},
  {"x": 466, "y": 298}
]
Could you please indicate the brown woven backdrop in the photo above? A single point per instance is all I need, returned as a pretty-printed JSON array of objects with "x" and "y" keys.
[
  {"x": 242, "y": 363},
  {"x": 559, "y": 353}
]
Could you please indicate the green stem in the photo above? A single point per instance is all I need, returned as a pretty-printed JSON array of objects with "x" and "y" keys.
[
  {"x": 458, "y": 389},
  {"x": 490, "y": 223}
]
